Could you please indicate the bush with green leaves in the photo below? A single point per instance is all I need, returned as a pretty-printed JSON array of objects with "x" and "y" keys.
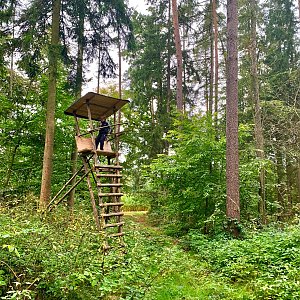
[
  {"x": 268, "y": 262},
  {"x": 189, "y": 184},
  {"x": 60, "y": 258}
]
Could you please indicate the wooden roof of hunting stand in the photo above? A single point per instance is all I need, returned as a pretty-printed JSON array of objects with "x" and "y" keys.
[{"x": 100, "y": 106}]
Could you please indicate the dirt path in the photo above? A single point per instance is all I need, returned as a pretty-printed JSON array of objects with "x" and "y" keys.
[{"x": 137, "y": 216}]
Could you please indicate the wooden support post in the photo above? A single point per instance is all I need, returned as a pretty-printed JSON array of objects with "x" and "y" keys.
[
  {"x": 92, "y": 130},
  {"x": 95, "y": 211},
  {"x": 60, "y": 191},
  {"x": 68, "y": 192},
  {"x": 116, "y": 136},
  {"x": 77, "y": 128}
]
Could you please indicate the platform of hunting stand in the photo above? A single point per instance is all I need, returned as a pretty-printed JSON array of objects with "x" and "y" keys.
[{"x": 85, "y": 146}]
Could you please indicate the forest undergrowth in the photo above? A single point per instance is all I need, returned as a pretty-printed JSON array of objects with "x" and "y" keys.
[{"x": 59, "y": 257}]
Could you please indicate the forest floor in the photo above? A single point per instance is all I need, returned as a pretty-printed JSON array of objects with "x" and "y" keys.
[
  {"x": 59, "y": 257},
  {"x": 180, "y": 274}
]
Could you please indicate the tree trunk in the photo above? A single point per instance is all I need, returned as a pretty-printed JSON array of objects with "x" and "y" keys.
[
  {"x": 169, "y": 92},
  {"x": 299, "y": 7},
  {"x": 78, "y": 88},
  {"x": 178, "y": 56},
  {"x": 281, "y": 190},
  {"x": 298, "y": 180},
  {"x": 99, "y": 68},
  {"x": 206, "y": 88},
  {"x": 212, "y": 66},
  {"x": 289, "y": 187},
  {"x": 120, "y": 66},
  {"x": 11, "y": 80},
  {"x": 50, "y": 114},
  {"x": 258, "y": 130},
  {"x": 232, "y": 155},
  {"x": 215, "y": 23},
  {"x": 10, "y": 166},
  {"x": 80, "y": 49}
]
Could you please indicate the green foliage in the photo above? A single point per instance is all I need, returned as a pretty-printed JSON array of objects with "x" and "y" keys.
[
  {"x": 60, "y": 258},
  {"x": 267, "y": 262},
  {"x": 189, "y": 184},
  {"x": 22, "y": 119},
  {"x": 187, "y": 188},
  {"x": 49, "y": 258},
  {"x": 135, "y": 202}
]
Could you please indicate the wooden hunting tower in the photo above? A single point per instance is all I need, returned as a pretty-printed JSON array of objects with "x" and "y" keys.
[{"x": 105, "y": 183}]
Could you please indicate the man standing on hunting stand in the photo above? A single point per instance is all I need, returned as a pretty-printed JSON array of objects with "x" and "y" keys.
[{"x": 103, "y": 132}]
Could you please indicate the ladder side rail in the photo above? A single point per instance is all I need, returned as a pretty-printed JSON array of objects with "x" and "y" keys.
[
  {"x": 93, "y": 175},
  {"x": 118, "y": 200}
]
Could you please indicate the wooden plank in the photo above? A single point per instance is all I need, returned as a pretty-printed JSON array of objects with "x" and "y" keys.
[
  {"x": 109, "y": 184},
  {"x": 101, "y": 106},
  {"x": 110, "y": 194},
  {"x": 111, "y": 204},
  {"x": 108, "y": 166},
  {"x": 113, "y": 225},
  {"x": 112, "y": 214},
  {"x": 106, "y": 153},
  {"x": 110, "y": 175}
]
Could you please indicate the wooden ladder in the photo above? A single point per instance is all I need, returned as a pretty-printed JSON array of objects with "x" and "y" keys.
[{"x": 108, "y": 178}]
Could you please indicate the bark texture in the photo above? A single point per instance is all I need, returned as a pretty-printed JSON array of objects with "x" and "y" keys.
[
  {"x": 179, "y": 93},
  {"x": 216, "y": 56},
  {"x": 11, "y": 164},
  {"x": 169, "y": 92},
  {"x": 258, "y": 130},
  {"x": 212, "y": 67},
  {"x": 232, "y": 155},
  {"x": 79, "y": 79},
  {"x": 50, "y": 117}
]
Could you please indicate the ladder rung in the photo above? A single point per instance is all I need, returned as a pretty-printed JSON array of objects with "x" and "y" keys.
[
  {"x": 110, "y": 194},
  {"x": 111, "y": 204},
  {"x": 108, "y": 167},
  {"x": 116, "y": 234},
  {"x": 109, "y": 184},
  {"x": 113, "y": 225},
  {"x": 112, "y": 214},
  {"x": 109, "y": 175}
]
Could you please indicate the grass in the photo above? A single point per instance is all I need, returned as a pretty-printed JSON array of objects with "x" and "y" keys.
[
  {"x": 60, "y": 258},
  {"x": 180, "y": 274}
]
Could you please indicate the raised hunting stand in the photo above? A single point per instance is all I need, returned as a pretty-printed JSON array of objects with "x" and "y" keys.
[{"x": 106, "y": 177}]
